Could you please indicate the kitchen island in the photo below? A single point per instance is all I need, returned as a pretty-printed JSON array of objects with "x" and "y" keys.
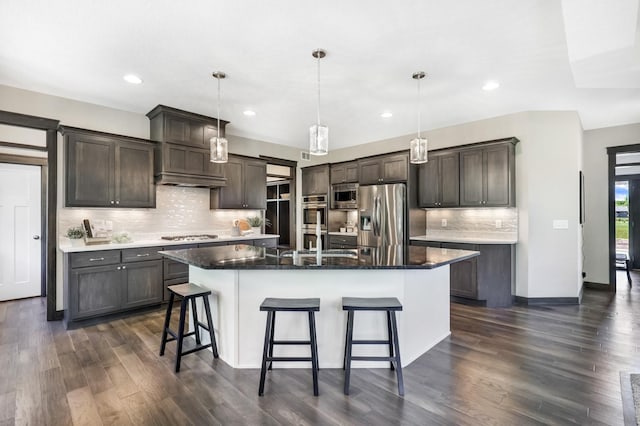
[{"x": 241, "y": 277}]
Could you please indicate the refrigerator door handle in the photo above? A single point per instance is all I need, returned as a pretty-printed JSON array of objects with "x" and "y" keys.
[{"x": 376, "y": 216}]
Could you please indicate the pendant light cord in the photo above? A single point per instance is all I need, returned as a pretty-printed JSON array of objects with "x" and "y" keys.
[
  {"x": 318, "y": 77},
  {"x": 218, "y": 131},
  {"x": 419, "y": 111}
]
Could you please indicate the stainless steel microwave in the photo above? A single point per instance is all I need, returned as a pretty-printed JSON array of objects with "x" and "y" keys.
[{"x": 344, "y": 196}]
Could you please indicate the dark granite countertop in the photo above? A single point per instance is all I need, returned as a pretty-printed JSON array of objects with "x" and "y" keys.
[{"x": 249, "y": 257}]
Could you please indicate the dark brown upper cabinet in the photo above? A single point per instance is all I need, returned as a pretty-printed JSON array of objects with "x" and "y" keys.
[
  {"x": 315, "y": 180},
  {"x": 344, "y": 172},
  {"x": 439, "y": 181},
  {"x": 182, "y": 157},
  {"x": 105, "y": 170},
  {"x": 384, "y": 169},
  {"x": 487, "y": 175},
  {"x": 246, "y": 185}
]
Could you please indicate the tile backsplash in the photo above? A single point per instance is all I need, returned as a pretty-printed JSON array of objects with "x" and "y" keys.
[
  {"x": 178, "y": 210},
  {"x": 493, "y": 221}
]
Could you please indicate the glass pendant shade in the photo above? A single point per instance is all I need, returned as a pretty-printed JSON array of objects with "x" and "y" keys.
[
  {"x": 418, "y": 150},
  {"x": 419, "y": 146},
  {"x": 318, "y": 140},
  {"x": 219, "y": 151}
]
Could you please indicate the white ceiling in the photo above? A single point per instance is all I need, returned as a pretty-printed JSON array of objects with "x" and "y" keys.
[{"x": 80, "y": 49}]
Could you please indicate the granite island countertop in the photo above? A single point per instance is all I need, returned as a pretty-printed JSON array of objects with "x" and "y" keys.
[{"x": 250, "y": 257}]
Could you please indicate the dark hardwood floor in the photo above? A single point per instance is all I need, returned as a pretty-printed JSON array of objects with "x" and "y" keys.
[{"x": 517, "y": 366}]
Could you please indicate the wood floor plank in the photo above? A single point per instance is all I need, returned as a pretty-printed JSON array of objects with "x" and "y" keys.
[
  {"x": 139, "y": 411},
  {"x": 54, "y": 392},
  {"x": 111, "y": 409},
  {"x": 121, "y": 380},
  {"x": 7, "y": 405},
  {"x": 84, "y": 410},
  {"x": 72, "y": 372}
]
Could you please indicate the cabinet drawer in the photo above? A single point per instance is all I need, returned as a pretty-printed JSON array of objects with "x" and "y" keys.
[
  {"x": 139, "y": 254},
  {"x": 267, "y": 242},
  {"x": 345, "y": 240},
  {"x": 95, "y": 258}
]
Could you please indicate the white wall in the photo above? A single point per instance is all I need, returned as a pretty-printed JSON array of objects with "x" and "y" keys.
[{"x": 596, "y": 169}]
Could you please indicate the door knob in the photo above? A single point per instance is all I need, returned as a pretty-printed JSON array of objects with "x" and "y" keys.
[{"x": 36, "y": 237}]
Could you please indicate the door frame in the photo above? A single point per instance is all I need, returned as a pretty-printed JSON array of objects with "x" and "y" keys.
[
  {"x": 50, "y": 197},
  {"x": 42, "y": 163},
  {"x": 611, "y": 152},
  {"x": 293, "y": 236}
]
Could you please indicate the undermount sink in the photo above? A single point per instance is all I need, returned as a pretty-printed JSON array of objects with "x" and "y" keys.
[{"x": 323, "y": 253}]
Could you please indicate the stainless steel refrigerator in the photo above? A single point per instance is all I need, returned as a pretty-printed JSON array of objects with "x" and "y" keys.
[{"x": 382, "y": 212}]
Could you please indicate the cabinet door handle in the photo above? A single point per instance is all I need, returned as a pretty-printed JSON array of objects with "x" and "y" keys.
[
  {"x": 96, "y": 259},
  {"x": 117, "y": 201},
  {"x": 124, "y": 267},
  {"x": 142, "y": 255},
  {"x": 112, "y": 202},
  {"x": 118, "y": 268}
]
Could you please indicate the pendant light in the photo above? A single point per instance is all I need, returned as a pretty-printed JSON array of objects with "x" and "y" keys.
[
  {"x": 217, "y": 144},
  {"x": 318, "y": 134},
  {"x": 418, "y": 151}
]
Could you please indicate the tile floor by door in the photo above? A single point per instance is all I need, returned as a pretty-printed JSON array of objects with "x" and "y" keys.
[{"x": 516, "y": 366}]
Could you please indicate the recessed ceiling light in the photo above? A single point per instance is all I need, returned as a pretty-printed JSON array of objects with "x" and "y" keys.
[
  {"x": 249, "y": 113},
  {"x": 490, "y": 85},
  {"x": 132, "y": 78},
  {"x": 386, "y": 115}
]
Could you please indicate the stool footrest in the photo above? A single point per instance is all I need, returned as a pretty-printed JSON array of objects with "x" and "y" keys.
[
  {"x": 291, "y": 342},
  {"x": 287, "y": 358},
  {"x": 196, "y": 349},
  {"x": 371, "y": 342},
  {"x": 373, "y": 358}
]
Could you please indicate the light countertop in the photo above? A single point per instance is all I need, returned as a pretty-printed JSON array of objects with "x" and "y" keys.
[
  {"x": 469, "y": 238},
  {"x": 66, "y": 247}
]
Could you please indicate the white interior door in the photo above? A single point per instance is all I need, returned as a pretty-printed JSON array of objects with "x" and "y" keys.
[{"x": 20, "y": 243}]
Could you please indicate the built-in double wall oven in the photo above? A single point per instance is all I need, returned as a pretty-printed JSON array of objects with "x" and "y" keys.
[
  {"x": 314, "y": 207},
  {"x": 311, "y": 206}
]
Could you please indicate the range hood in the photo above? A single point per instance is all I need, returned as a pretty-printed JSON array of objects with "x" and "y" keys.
[
  {"x": 182, "y": 152},
  {"x": 193, "y": 181}
]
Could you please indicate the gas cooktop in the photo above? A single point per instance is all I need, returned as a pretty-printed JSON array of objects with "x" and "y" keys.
[{"x": 190, "y": 237}]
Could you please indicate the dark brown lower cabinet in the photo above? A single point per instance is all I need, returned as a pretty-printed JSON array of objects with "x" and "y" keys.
[
  {"x": 141, "y": 284},
  {"x": 110, "y": 286},
  {"x": 485, "y": 279},
  {"x": 105, "y": 282},
  {"x": 464, "y": 278},
  {"x": 94, "y": 290},
  {"x": 342, "y": 241}
]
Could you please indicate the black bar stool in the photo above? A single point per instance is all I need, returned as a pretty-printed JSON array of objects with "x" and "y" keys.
[
  {"x": 272, "y": 305},
  {"x": 188, "y": 292},
  {"x": 388, "y": 304}
]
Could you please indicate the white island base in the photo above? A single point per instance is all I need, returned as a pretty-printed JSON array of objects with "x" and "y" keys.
[{"x": 240, "y": 325}]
